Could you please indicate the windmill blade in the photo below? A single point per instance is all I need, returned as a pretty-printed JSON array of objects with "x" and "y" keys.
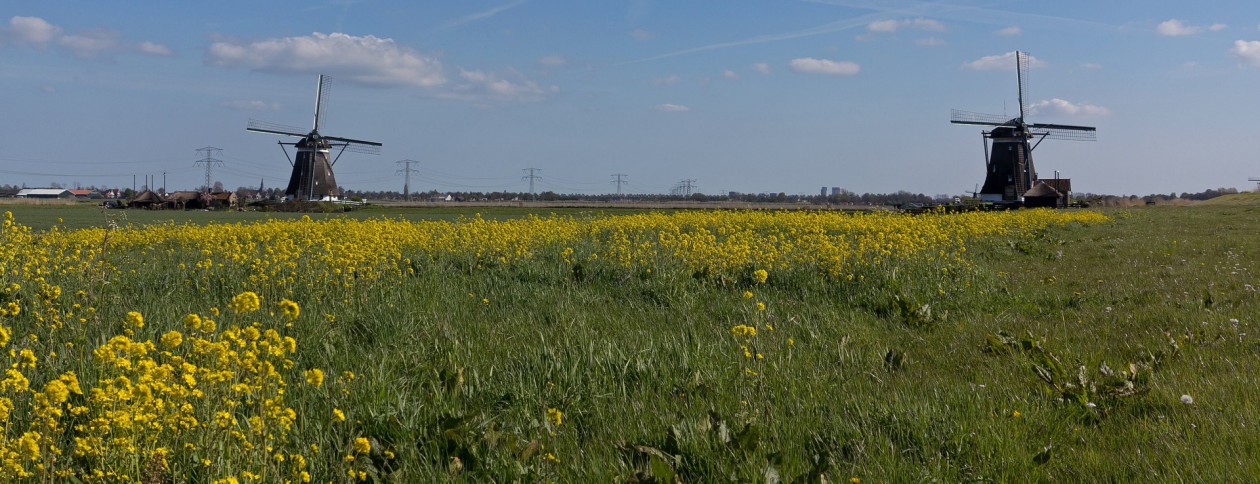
[
  {"x": 1065, "y": 132},
  {"x": 967, "y": 117},
  {"x": 352, "y": 141},
  {"x": 1021, "y": 65},
  {"x": 362, "y": 149},
  {"x": 320, "y": 95},
  {"x": 273, "y": 128}
]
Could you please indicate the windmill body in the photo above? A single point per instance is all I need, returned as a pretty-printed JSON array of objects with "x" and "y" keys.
[
  {"x": 312, "y": 177},
  {"x": 1009, "y": 170},
  {"x": 312, "y": 171}
]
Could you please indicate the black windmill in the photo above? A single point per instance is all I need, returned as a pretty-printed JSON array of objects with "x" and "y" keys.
[
  {"x": 312, "y": 177},
  {"x": 1009, "y": 166}
]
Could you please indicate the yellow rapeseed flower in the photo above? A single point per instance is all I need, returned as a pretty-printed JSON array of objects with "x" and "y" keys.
[
  {"x": 245, "y": 302},
  {"x": 338, "y": 415},
  {"x": 743, "y": 330},
  {"x": 172, "y": 339},
  {"x": 760, "y": 275},
  {"x": 134, "y": 318},
  {"x": 555, "y": 416},
  {"x": 362, "y": 445},
  {"x": 315, "y": 376},
  {"x": 289, "y": 308}
]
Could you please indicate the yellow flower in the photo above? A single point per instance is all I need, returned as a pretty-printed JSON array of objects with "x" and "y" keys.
[
  {"x": 290, "y": 308},
  {"x": 555, "y": 416},
  {"x": 245, "y": 302},
  {"x": 192, "y": 321},
  {"x": 761, "y": 306},
  {"x": 1015, "y": 414},
  {"x": 760, "y": 275},
  {"x": 338, "y": 415},
  {"x": 134, "y": 319},
  {"x": 362, "y": 445},
  {"x": 743, "y": 330},
  {"x": 748, "y": 294},
  {"x": 315, "y": 376},
  {"x": 56, "y": 391},
  {"x": 172, "y": 339}
]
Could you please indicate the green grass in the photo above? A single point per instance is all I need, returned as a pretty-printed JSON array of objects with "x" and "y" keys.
[{"x": 652, "y": 383}]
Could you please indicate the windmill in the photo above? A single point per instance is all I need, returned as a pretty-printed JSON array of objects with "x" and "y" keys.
[
  {"x": 312, "y": 177},
  {"x": 1009, "y": 166}
]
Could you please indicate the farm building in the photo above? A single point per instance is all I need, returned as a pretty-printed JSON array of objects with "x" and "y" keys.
[
  {"x": 184, "y": 200},
  {"x": 223, "y": 199},
  {"x": 146, "y": 199},
  {"x": 44, "y": 193}
]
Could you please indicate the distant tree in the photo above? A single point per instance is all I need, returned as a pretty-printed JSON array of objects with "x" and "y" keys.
[{"x": 218, "y": 186}]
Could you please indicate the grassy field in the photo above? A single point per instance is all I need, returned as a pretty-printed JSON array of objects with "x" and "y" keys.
[{"x": 635, "y": 347}]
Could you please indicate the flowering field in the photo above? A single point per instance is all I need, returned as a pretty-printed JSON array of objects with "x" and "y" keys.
[{"x": 688, "y": 346}]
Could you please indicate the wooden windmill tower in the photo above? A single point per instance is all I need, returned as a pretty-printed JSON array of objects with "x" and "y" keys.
[
  {"x": 312, "y": 177},
  {"x": 1009, "y": 166}
]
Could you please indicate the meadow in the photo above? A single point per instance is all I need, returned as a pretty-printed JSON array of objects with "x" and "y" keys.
[{"x": 638, "y": 346}]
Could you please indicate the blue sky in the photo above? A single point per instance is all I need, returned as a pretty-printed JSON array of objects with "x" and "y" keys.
[{"x": 739, "y": 95}]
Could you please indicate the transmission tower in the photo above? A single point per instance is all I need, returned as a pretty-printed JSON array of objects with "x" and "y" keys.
[
  {"x": 209, "y": 161},
  {"x": 619, "y": 180},
  {"x": 406, "y": 171},
  {"x": 531, "y": 176},
  {"x": 686, "y": 186}
]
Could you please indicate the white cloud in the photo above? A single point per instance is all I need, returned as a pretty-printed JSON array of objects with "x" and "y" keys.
[
  {"x": 367, "y": 60},
  {"x": 667, "y": 80},
  {"x": 761, "y": 67},
  {"x": 892, "y": 25},
  {"x": 1176, "y": 28},
  {"x": 377, "y": 62},
  {"x": 1010, "y": 31},
  {"x": 1067, "y": 108},
  {"x": 29, "y": 30},
  {"x": 244, "y": 105},
  {"x": 810, "y": 65},
  {"x": 930, "y": 42},
  {"x": 153, "y": 48},
  {"x": 883, "y": 26},
  {"x": 91, "y": 44},
  {"x": 1001, "y": 62},
  {"x": 729, "y": 74},
  {"x": 478, "y": 85},
  {"x": 85, "y": 44},
  {"x": 554, "y": 61},
  {"x": 641, "y": 35},
  {"x": 1248, "y": 51},
  {"x": 671, "y": 108},
  {"x": 1217, "y": 27}
]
